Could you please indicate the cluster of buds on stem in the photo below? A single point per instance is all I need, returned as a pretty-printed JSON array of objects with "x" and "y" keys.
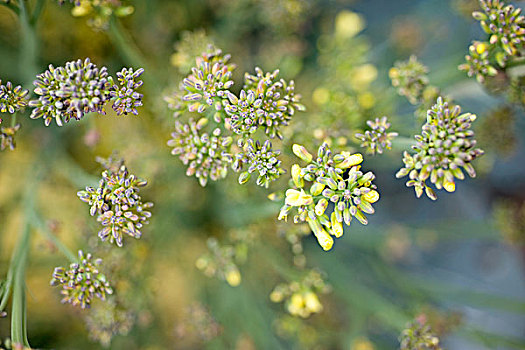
[
  {"x": 377, "y": 138},
  {"x": 505, "y": 28},
  {"x": 231, "y": 130},
  {"x": 82, "y": 281},
  {"x": 12, "y": 98},
  {"x": 302, "y": 297},
  {"x": 118, "y": 205},
  {"x": 446, "y": 145},
  {"x": 329, "y": 178},
  {"x": 99, "y": 12},
  {"x": 80, "y": 87}
]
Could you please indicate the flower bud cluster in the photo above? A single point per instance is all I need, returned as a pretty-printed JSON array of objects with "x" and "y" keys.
[
  {"x": 278, "y": 101},
  {"x": 302, "y": 297},
  {"x": 261, "y": 159},
  {"x": 99, "y": 12},
  {"x": 209, "y": 82},
  {"x": 7, "y": 137},
  {"x": 505, "y": 27},
  {"x": 226, "y": 132},
  {"x": 504, "y": 23},
  {"x": 419, "y": 335},
  {"x": 125, "y": 97},
  {"x": 12, "y": 98},
  {"x": 118, "y": 205},
  {"x": 410, "y": 78},
  {"x": 329, "y": 178},
  {"x": 103, "y": 322},
  {"x": 478, "y": 63},
  {"x": 80, "y": 87},
  {"x": 377, "y": 139},
  {"x": 220, "y": 261},
  {"x": 446, "y": 145},
  {"x": 206, "y": 155},
  {"x": 82, "y": 281}
]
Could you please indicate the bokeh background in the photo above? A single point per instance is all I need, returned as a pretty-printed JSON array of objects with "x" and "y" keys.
[{"x": 458, "y": 260}]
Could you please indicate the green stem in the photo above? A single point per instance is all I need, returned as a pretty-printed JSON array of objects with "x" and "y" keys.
[
  {"x": 125, "y": 44},
  {"x": 13, "y": 120},
  {"x": 132, "y": 54},
  {"x": 36, "y": 12},
  {"x": 38, "y": 223},
  {"x": 515, "y": 63},
  {"x": 29, "y": 48},
  {"x": 18, "y": 309},
  {"x": 18, "y": 267}
]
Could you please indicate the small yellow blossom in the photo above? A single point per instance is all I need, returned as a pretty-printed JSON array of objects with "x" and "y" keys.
[
  {"x": 233, "y": 277},
  {"x": 296, "y": 175},
  {"x": 350, "y": 160},
  {"x": 301, "y": 152},
  {"x": 348, "y": 24},
  {"x": 312, "y": 303},
  {"x": 371, "y": 197},
  {"x": 296, "y": 198},
  {"x": 449, "y": 186}
]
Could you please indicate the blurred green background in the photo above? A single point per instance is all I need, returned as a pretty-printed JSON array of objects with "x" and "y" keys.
[{"x": 458, "y": 260}]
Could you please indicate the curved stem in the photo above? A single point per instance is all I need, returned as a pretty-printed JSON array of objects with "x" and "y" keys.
[
  {"x": 17, "y": 269},
  {"x": 38, "y": 223},
  {"x": 37, "y": 11},
  {"x": 125, "y": 44},
  {"x": 18, "y": 309},
  {"x": 132, "y": 54}
]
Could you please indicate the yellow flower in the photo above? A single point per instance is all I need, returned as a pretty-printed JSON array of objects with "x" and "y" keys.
[
  {"x": 348, "y": 24},
  {"x": 337, "y": 227},
  {"x": 481, "y": 47},
  {"x": 301, "y": 152},
  {"x": 233, "y": 277},
  {"x": 82, "y": 10},
  {"x": 321, "y": 206},
  {"x": 313, "y": 305},
  {"x": 296, "y": 175},
  {"x": 449, "y": 186},
  {"x": 350, "y": 160},
  {"x": 371, "y": 197},
  {"x": 276, "y": 296},
  {"x": 323, "y": 238},
  {"x": 296, "y": 305},
  {"x": 296, "y": 198},
  {"x": 317, "y": 188}
]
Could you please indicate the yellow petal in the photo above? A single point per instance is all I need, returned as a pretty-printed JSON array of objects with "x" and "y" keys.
[
  {"x": 449, "y": 186},
  {"x": 371, "y": 197}
]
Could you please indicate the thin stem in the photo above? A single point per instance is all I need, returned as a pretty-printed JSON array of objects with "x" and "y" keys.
[
  {"x": 18, "y": 267},
  {"x": 18, "y": 309},
  {"x": 515, "y": 63},
  {"x": 37, "y": 11},
  {"x": 29, "y": 49},
  {"x": 132, "y": 54},
  {"x": 125, "y": 44},
  {"x": 13, "y": 120},
  {"x": 38, "y": 223}
]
